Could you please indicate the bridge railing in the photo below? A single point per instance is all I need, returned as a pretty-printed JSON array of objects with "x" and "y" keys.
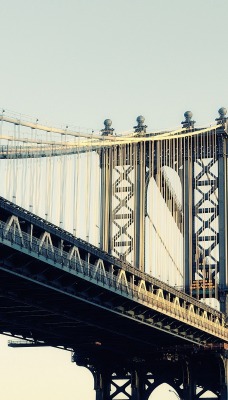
[
  {"x": 86, "y": 270},
  {"x": 25, "y": 215}
]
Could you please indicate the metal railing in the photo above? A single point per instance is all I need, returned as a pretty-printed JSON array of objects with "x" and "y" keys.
[{"x": 83, "y": 269}]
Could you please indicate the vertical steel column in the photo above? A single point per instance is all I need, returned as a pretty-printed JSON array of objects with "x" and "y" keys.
[
  {"x": 106, "y": 190},
  {"x": 188, "y": 382},
  {"x": 139, "y": 212},
  {"x": 135, "y": 385},
  {"x": 138, "y": 386},
  {"x": 187, "y": 220},
  {"x": 102, "y": 385},
  {"x": 224, "y": 384},
  {"x": 222, "y": 201},
  {"x": 187, "y": 205},
  {"x": 222, "y": 220},
  {"x": 106, "y": 199}
]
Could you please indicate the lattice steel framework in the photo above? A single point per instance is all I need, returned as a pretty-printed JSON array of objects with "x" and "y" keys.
[
  {"x": 206, "y": 215},
  {"x": 193, "y": 374},
  {"x": 123, "y": 202},
  {"x": 199, "y": 161}
]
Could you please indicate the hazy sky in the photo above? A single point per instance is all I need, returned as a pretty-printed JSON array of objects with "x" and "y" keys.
[{"x": 81, "y": 61}]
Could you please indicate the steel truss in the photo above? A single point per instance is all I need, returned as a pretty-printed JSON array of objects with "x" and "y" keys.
[
  {"x": 125, "y": 175},
  {"x": 190, "y": 373},
  {"x": 123, "y": 202},
  {"x": 200, "y": 163},
  {"x": 205, "y": 216}
]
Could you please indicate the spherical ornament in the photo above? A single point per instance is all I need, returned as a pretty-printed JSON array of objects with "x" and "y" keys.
[
  {"x": 107, "y": 123},
  {"x": 140, "y": 119},
  {"x": 188, "y": 115},
  {"x": 222, "y": 112}
]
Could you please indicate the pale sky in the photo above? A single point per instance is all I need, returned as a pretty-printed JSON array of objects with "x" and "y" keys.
[{"x": 81, "y": 61}]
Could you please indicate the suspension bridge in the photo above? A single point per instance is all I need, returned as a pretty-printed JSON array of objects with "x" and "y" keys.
[{"x": 114, "y": 247}]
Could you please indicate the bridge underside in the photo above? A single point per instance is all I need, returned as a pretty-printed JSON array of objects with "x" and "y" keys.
[
  {"x": 119, "y": 338},
  {"x": 39, "y": 303},
  {"x": 46, "y": 305}
]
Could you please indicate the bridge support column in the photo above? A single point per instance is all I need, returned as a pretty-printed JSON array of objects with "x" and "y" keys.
[
  {"x": 224, "y": 385},
  {"x": 188, "y": 382},
  {"x": 200, "y": 374},
  {"x": 109, "y": 386},
  {"x": 138, "y": 386},
  {"x": 102, "y": 385}
]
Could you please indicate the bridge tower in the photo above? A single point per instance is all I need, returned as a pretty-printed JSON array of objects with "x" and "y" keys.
[
  {"x": 202, "y": 170},
  {"x": 123, "y": 174},
  {"x": 205, "y": 212},
  {"x": 199, "y": 161}
]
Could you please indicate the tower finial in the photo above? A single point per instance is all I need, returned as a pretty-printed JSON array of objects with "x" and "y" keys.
[
  {"x": 188, "y": 123},
  {"x": 222, "y": 115},
  {"x": 107, "y": 129},
  {"x": 140, "y": 128}
]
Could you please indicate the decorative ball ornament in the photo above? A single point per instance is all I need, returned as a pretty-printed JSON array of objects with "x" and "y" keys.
[
  {"x": 188, "y": 115},
  {"x": 222, "y": 112},
  {"x": 140, "y": 119},
  {"x": 108, "y": 123}
]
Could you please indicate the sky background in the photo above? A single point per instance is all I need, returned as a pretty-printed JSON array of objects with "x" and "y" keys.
[{"x": 78, "y": 62}]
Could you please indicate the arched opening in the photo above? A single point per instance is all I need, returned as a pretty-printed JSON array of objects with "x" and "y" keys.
[
  {"x": 207, "y": 395},
  {"x": 164, "y": 392},
  {"x": 164, "y": 236}
]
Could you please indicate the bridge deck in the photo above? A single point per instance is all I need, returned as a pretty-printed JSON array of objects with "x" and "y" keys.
[{"x": 86, "y": 303}]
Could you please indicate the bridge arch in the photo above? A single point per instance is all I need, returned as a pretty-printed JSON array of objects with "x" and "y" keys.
[
  {"x": 163, "y": 215},
  {"x": 162, "y": 390}
]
